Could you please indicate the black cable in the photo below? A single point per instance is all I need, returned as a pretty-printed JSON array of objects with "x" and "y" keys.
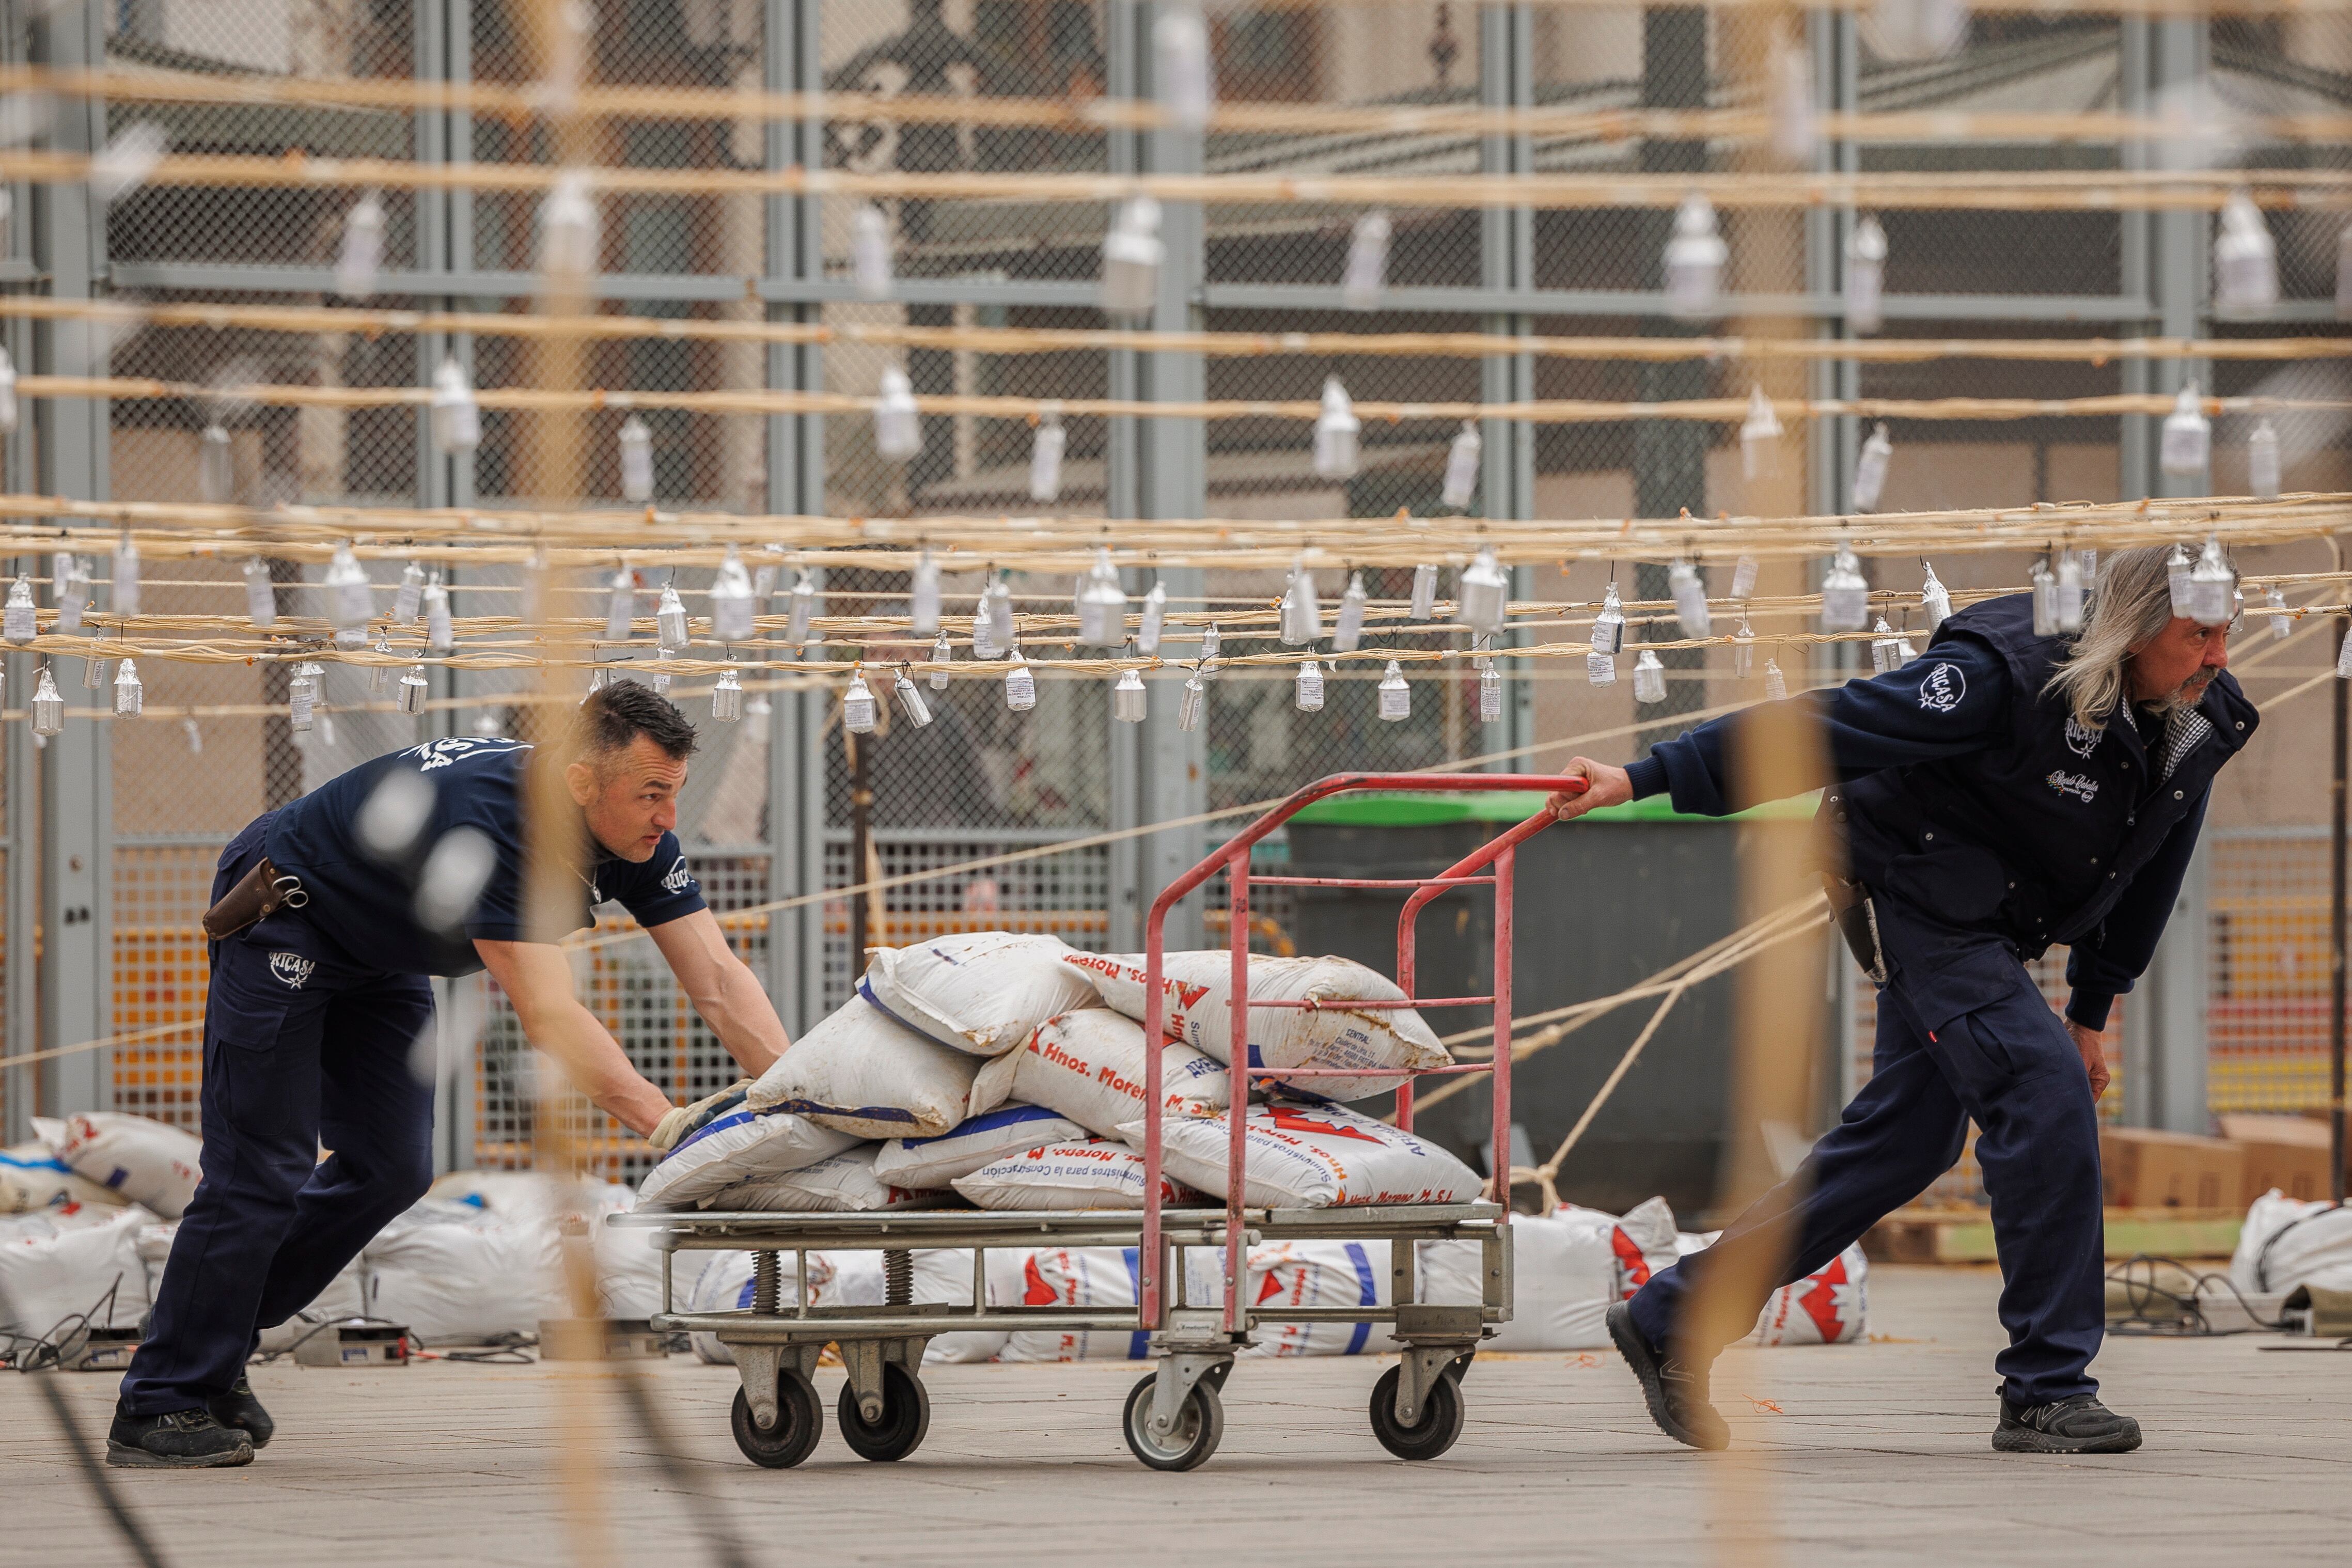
[
  {"x": 93, "y": 1468},
  {"x": 2188, "y": 1316}
]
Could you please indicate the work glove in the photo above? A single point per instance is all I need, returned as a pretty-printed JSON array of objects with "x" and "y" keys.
[{"x": 684, "y": 1120}]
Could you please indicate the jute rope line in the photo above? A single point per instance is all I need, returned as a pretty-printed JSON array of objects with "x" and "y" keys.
[
  {"x": 2119, "y": 190},
  {"x": 619, "y": 537},
  {"x": 1536, "y": 411},
  {"x": 331, "y": 321},
  {"x": 903, "y": 653},
  {"x": 1098, "y": 115}
]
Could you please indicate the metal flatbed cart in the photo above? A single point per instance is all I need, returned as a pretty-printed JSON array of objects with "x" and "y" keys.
[{"x": 1174, "y": 1418}]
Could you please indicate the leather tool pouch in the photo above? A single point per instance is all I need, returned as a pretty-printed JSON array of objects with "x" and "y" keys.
[
  {"x": 1858, "y": 923},
  {"x": 258, "y": 894}
]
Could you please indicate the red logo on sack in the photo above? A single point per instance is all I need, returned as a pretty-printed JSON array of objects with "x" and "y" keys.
[
  {"x": 1635, "y": 1267},
  {"x": 1039, "y": 1293},
  {"x": 1292, "y": 1122}
]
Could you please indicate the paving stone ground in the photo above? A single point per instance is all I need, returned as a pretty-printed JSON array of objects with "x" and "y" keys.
[{"x": 1860, "y": 1455}]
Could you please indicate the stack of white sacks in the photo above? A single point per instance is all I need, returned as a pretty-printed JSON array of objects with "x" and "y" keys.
[
  {"x": 88, "y": 1213},
  {"x": 1009, "y": 1069}
]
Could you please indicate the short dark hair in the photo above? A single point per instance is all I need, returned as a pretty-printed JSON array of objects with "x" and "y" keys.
[{"x": 612, "y": 718}]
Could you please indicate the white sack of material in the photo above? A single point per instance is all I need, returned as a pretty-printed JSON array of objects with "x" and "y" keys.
[
  {"x": 530, "y": 1195},
  {"x": 149, "y": 1163},
  {"x": 725, "y": 1283},
  {"x": 918, "y": 1162},
  {"x": 861, "y": 1073},
  {"x": 1082, "y": 1174},
  {"x": 466, "y": 1282},
  {"x": 33, "y": 1178},
  {"x": 1830, "y": 1306},
  {"x": 1088, "y": 1064},
  {"x": 72, "y": 1262},
  {"x": 844, "y": 1184},
  {"x": 742, "y": 1146},
  {"x": 1382, "y": 1042},
  {"x": 1098, "y": 1277},
  {"x": 1318, "y": 1274},
  {"x": 2286, "y": 1242},
  {"x": 1567, "y": 1269},
  {"x": 1312, "y": 1157},
  {"x": 984, "y": 991},
  {"x": 940, "y": 1274}
]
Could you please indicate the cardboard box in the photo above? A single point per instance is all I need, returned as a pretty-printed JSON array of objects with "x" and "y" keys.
[
  {"x": 2289, "y": 1152},
  {"x": 2142, "y": 1169}
]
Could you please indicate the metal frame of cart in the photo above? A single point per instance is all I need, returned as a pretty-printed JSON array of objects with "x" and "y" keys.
[{"x": 1174, "y": 1418}]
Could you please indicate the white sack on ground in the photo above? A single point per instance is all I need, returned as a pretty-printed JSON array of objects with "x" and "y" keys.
[
  {"x": 628, "y": 1268},
  {"x": 846, "y": 1184},
  {"x": 742, "y": 1146},
  {"x": 1198, "y": 990},
  {"x": 149, "y": 1163},
  {"x": 464, "y": 1280},
  {"x": 1567, "y": 1269},
  {"x": 1088, "y": 1064},
  {"x": 60, "y": 1263},
  {"x": 941, "y": 1274},
  {"x": 859, "y": 1072},
  {"x": 984, "y": 991},
  {"x": 1320, "y": 1273},
  {"x": 1097, "y": 1277},
  {"x": 1007, "y": 1269},
  {"x": 1650, "y": 1226},
  {"x": 724, "y": 1285},
  {"x": 33, "y": 1178},
  {"x": 1830, "y": 1306},
  {"x": 529, "y": 1196},
  {"x": 1083, "y": 1173},
  {"x": 938, "y": 1162},
  {"x": 2286, "y": 1242},
  {"x": 1318, "y": 1157}
]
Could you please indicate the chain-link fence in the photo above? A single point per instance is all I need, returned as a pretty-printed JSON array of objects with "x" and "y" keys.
[{"x": 982, "y": 784}]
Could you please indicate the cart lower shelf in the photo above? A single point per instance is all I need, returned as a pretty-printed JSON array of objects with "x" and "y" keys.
[{"x": 1173, "y": 1418}]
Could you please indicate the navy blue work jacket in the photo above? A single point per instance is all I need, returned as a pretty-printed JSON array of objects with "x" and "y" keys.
[{"x": 1972, "y": 800}]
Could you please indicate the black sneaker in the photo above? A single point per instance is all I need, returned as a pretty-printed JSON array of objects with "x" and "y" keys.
[
  {"x": 175, "y": 1440},
  {"x": 2077, "y": 1425},
  {"x": 1677, "y": 1392},
  {"x": 240, "y": 1411}
]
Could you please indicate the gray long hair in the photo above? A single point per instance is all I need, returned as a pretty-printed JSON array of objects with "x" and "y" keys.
[{"x": 2134, "y": 602}]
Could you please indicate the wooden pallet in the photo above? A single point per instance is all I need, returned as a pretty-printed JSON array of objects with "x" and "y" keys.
[{"x": 1965, "y": 1236}]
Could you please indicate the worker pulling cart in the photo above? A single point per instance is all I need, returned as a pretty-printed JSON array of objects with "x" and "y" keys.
[{"x": 1173, "y": 1417}]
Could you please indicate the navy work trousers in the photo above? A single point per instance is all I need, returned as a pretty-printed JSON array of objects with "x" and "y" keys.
[
  {"x": 2010, "y": 1066},
  {"x": 300, "y": 1046}
]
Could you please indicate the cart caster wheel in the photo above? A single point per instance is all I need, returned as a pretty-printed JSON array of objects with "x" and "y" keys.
[
  {"x": 1199, "y": 1427},
  {"x": 906, "y": 1416},
  {"x": 798, "y": 1424},
  {"x": 1441, "y": 1418}
]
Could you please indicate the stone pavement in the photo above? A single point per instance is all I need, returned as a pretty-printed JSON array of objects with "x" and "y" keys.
[{"x": 1874, "y": 1454}]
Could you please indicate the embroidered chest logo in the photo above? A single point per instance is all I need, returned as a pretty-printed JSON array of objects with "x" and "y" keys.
[
  {"x": 2082, "y": 787},
  {"x": 2081, "y": 739},
  {"x": 291, "y": 968},
  {"x": 677, "y": 879},
  {"x": 1943, "y": 689}
]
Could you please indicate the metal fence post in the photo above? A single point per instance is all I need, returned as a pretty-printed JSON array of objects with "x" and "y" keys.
[
  {"x": 796, "y": 483},
  {"x": 76, "y": 785},
  {"x": 2164, "y": 1042},
  {"x": 1506, "y": 250}
]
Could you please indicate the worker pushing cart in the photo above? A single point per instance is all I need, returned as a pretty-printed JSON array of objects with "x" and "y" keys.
[
  {"x": 2003, "y": 792},
  {"x": 328, "y": 916}
]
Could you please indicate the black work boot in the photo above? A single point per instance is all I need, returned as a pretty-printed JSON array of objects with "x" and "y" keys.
[
  {"x": 175, "y": 1440},
  {"x": 240, "y": 1411},
  {"x": 2077, "y": 1425},
  {"x": 1677, "y": 1391}
]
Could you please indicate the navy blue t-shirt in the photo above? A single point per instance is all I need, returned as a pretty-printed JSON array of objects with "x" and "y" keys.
[{"x": 408, "y": 858}]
